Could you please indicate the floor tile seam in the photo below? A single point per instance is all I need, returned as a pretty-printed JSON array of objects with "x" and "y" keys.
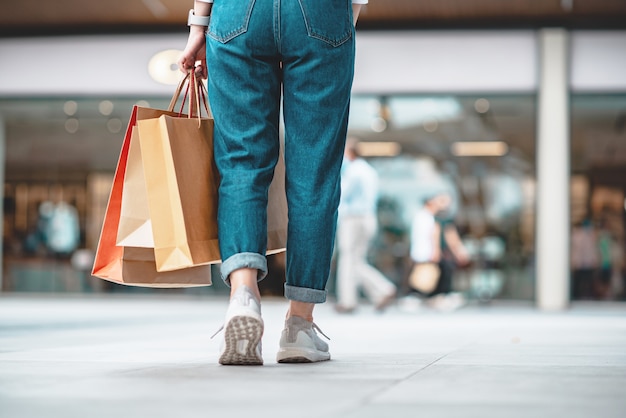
[
  {"x": 564, "y": 404},
  {"x": 370, "y": 397},
  {"x": 367, "y": 400},
  {"x": 527, "y": 365}
]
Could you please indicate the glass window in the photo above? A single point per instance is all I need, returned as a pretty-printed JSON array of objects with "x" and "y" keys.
[
  {"x": 598, "y": 189},
  {"x": 60, "y": 158},
  {"x": 478, "y": 149}
]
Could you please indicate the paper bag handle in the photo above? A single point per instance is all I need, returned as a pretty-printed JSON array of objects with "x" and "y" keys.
[
  {"x": 197, "y": 94},
  {"x": 201, "y": 94},
  {"x": 179, "y": 89}
]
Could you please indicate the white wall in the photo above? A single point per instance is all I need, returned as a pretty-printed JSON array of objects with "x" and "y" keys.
[
  {"x": 387, "y": 62},
  {"x": 84, "y": 65},
  {"x": 598, "y": 62},
  {"x": 449, "y": 61}
]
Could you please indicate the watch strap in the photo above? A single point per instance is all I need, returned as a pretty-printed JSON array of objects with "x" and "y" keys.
[{"x": 192, "y": 19}]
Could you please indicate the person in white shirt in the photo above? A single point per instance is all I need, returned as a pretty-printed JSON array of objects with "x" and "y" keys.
[
  {"x": 426, "y": 248},
  {"x": 425, "y": 232},
  {"x": 357, "y": 226}
]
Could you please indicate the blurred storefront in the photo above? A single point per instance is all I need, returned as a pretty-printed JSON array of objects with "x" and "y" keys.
[
  {"x": 466, "y": 109},
  {"x": 478, "y": 148},
  {"x": 598, "y": 192}
]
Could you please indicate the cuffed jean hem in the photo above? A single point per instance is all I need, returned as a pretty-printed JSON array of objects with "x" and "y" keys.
[
  {"x": 303, "y": 294},
  {"x": 244, "y": 260}
]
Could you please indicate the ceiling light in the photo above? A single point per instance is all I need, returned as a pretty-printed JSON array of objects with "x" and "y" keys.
[
  {"x": 163, "y": 67},
  {"x": 431, "y": 125},
  {"x": 408, "y": 112},
  {"x": 71, "y": 125},
  {"x": 378, "y": 125},
  {"x": 479, "y": 149},
  {"x": 70, "y": 107},
  {"x": 158, "y": 9},
  {"x": 379, "y": 149},
  {"x": 114, "y": 125},
  {"x": 482, "y": 105},
  {"x": 105, "y": 107}
]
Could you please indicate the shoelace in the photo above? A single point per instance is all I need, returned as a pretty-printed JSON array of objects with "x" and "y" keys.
[
  {"x": 318, "y": 329},
  {"x": 220, "y": 329},
  {"x": 315, "y": 327}
]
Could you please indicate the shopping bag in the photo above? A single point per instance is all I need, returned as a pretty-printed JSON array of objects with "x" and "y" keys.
[
  {"x": 135, "y": 226},
  {"x": 135, "y": 266},
  {"x": 424, "y": 277},
  {"x": 139, "y": 269},
  {"x": 135, "y": 263},
  {"x": 277, "y": 209},
  {"x": 182, "y": 184}
]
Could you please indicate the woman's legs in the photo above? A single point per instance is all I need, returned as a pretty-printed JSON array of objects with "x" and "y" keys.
[
  {"x": 247, "y": 41},
  {"x": 301, "y": 309},
  {"x": 317, "y": 46},
  {"x": 244, "y": 91},
  {"x": 245, "y": 277}
]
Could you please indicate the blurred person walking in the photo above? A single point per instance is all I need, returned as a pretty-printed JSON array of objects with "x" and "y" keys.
[
  {"x": 261, "y": 53},
  {"x": 357, "y": 227},
  {"x": 427, "y": 255},
  {"x": 453, "y": 254},
  {"x": 585, "y": 259}
]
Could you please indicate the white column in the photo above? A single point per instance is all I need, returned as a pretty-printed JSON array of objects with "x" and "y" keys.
[
  {"x": 553, "y": 172},
  {"x": 2, "y": 167}
]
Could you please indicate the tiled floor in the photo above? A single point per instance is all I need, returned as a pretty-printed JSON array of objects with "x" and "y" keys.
[{"x": 147, "y": 357}]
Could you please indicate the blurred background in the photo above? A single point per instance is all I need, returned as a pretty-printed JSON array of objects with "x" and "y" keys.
[{"x": 457, "y": 93}]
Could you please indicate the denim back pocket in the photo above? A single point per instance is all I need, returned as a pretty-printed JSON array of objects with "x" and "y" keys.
[
  {"x": 328, "y": 20},
  {"x": 229, "y": 19}
]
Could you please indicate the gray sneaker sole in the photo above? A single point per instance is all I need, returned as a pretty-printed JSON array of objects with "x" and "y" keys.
[
  {"x": 294, "y": 355},
  {"x": 242, "y": 335}
]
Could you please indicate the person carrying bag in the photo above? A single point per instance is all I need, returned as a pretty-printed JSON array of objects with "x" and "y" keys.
[
  {"x": 160, "y": 227},
  {"x": 256, "y": 63}
]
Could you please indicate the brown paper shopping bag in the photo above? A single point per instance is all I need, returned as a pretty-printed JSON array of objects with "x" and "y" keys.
[
  {"x": 135, "y": 226},
  {"x": 182, "y": 183},
  {"x": 135, "y": 266},
  {"x": 139, "y": 268},
  {"x": 127, "y": 221},
  {"x": 277, "y": 210}
]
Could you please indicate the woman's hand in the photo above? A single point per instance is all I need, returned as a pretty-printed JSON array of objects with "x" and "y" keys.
[{"x": 195, "y": 51}]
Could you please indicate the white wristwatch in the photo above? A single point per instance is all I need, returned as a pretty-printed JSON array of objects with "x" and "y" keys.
[{"x": 197, "y": 20}]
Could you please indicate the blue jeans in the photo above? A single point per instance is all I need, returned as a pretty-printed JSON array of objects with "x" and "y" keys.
[{"x": 259, "y": 52}]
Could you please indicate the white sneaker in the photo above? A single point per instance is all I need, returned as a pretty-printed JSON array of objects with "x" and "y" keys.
[
  {"x": 410, "y": 304},
  {"x": 243, "y": 329},
  {"x": 299, "y": 342},
  {"x": 447, "y": 302}
]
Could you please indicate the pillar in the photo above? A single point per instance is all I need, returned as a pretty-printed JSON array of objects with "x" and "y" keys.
[{"x": 553, "y": 172}]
